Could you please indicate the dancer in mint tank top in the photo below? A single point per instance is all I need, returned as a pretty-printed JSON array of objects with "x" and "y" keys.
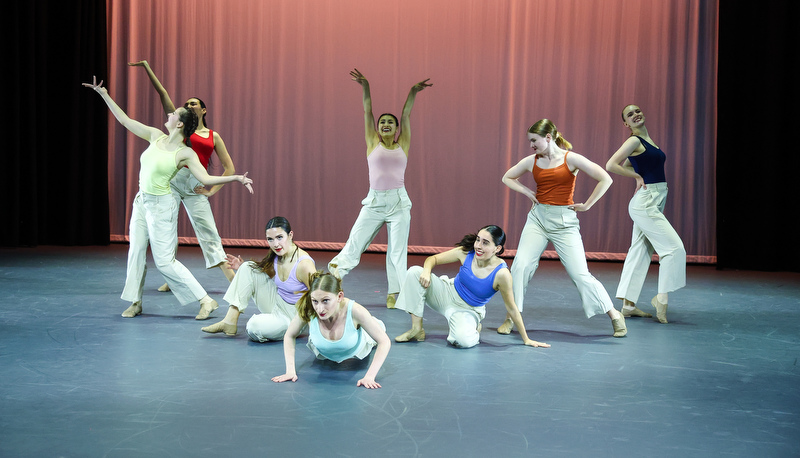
[{"x": 338, "y": 329}]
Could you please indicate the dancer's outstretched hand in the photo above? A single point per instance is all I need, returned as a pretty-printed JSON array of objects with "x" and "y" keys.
[
  {"x": 368, "y": 383},
  {"x": 247, "y": 182},
  {"x": 358, "y": 77},
  {"x": 285, "y": 378},
  {"x": 95, "y": 85},
  {"x": 234, "y": 262},
  {"x": 422, "y": 85}
]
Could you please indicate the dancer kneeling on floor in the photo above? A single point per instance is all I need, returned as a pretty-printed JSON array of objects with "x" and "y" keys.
[
  {"x": 338, "y": 329},
  {"x": 462, "y": 299},
  {"x": 151, "y": 218},
  {"x": 275, "y": 283}
]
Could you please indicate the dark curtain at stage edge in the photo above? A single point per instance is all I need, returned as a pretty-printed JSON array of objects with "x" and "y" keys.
[
  {"x": 758, "y": 162},
  {"x": 57, "y": 158}
]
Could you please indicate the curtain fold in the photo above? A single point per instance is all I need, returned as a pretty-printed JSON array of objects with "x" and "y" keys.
[{"x": 274, "y": 76}]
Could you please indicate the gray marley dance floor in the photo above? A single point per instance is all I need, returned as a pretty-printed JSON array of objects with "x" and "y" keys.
[{"x": 77, "y": 379}]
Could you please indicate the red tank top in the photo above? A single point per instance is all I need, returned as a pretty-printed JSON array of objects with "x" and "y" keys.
[
  {"x": 204, "y": 147},
  {"x": 554, "y": 186}
]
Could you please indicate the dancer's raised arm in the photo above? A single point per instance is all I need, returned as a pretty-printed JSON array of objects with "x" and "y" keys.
[
  {"x": 404, "y": 138},
  {"x": 166, "y": 101},
  {"x": 370, "y": 134},
  {"x": 135, "y": 127}
]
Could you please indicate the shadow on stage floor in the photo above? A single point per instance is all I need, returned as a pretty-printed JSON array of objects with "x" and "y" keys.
[{"x": 79, "y": 380}]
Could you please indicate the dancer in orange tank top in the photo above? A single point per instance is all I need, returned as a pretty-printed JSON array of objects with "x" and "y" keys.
[{"x": 553, "y": 219}]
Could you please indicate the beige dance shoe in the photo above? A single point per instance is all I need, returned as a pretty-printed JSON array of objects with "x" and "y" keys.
[
  {"x": 205, "y": 309},
  {"x": 620, "y": 330},
  {"x": 133, "y": 310},
  {"x": 164, "y": 288},
  {"x": 661, "y": 310},
  {"x": 228, "y": 329},
  {"x": 410, "y": 335},
  {"x": 390, "y": 301},
  {"x": 635, "y": 312},
  {"x": 506, "y": 327}
]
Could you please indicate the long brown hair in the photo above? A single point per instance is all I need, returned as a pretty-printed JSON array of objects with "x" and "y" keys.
[
  {"x": 267, "y": 265},
  {"x": 318, "y": 280}
]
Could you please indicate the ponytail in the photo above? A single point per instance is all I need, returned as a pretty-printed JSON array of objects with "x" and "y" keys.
[
  {"x": 189, "y": 119},
  {"x": 546, "y": 126}
]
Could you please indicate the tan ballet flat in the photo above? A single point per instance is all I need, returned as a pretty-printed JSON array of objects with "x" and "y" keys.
[
  {"x": 205, "y": 309},
  {"x": 636, "y": 312},
  {"x": 620, "y": 330},
  {"x": 228, "y": 329},
  {"x": 390, "y": 301},
  {"x": 419, "y": 336},
  {"x": 506, "y": 327},
  {"x": 164, "y": 288},
  {"x": 661, "y": 310},
  {"x": 133, "y": 310}
]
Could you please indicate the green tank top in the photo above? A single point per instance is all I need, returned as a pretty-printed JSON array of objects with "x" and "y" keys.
[{"x": 157, "y": 167}]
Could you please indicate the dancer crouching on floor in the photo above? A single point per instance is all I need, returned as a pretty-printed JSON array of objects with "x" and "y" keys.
[
  {"x": 462, "y": 299},
  {"x": 275, "y": 284},
  {"x": 338, "y": 329},
  {"x": 153, "y": 207}
]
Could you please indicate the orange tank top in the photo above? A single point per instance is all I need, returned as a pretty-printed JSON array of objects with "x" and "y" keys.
[{"x": 554, "y": 186}]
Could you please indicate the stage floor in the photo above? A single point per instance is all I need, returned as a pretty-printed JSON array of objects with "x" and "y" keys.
[{"x": 77, "y": 379}]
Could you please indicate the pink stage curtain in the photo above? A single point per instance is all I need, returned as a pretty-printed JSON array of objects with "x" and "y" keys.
[{"x": 274, "y": 76}]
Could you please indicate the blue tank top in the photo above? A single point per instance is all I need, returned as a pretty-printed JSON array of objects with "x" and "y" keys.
[
  {"x": 650, "y": 164},
  {"x": 475, "y": 291},
  {"x": 342, "y": 349}
]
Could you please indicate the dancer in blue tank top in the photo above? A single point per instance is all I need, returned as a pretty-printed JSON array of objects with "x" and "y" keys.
[{"x": 462, "y": 300}]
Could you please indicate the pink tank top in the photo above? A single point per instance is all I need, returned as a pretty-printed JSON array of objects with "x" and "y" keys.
[{"x": 387, "y": 168}]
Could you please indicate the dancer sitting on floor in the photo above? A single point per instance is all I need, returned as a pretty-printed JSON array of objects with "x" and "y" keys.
[
  {"x": 338, "y": 329},
  {"x": 553, "y": 219},
  {"x": 151, "y": 219},
  {"x": 185, "y": 188},
  {"x": 275, "y": 284},
  {"x": 387, "y": 201},
  {"x": 640, "y": 159},
  {"x": 462, "y": 300}
]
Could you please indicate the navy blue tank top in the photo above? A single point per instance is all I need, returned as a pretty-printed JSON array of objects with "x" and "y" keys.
[{"x": 650, "y": 164}]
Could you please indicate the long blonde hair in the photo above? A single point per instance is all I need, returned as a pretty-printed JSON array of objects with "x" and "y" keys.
[
  {"x": 318, "y": 280},
  {"x": 546, "y": 126}
]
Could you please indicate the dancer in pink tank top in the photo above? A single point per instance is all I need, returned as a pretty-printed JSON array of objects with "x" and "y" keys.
[{"x": 387, "y": 201}]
